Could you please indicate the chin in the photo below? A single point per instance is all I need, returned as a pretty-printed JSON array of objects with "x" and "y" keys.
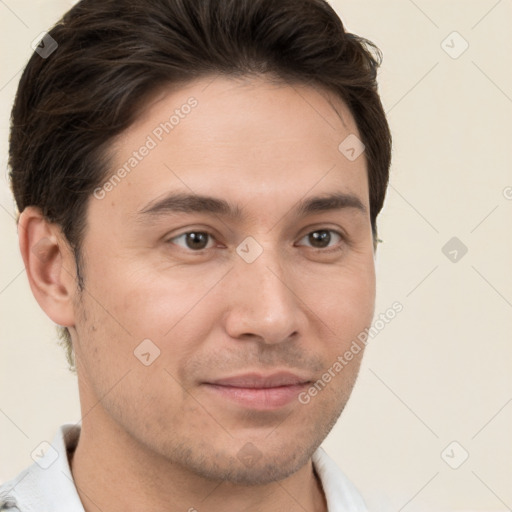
[
  {"x": 249, "y": 465},
  {"x": 267, "y": 469}
]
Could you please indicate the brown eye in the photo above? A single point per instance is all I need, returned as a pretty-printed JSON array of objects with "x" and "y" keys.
[
  {"x": 194, "y": 240},
  {"x": 322, "y": 238}
]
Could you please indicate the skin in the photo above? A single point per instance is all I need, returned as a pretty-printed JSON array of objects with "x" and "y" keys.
[{"x": 171, "y": 442}]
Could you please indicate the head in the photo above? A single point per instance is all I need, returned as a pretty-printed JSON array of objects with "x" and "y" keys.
[{"x": 198, "y": 184}]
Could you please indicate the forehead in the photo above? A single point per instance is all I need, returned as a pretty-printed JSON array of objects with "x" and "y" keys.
[{"x": 248, "y": 139}]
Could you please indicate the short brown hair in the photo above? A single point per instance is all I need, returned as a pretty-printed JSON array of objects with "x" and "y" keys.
[{"x": 113, "y": 54}]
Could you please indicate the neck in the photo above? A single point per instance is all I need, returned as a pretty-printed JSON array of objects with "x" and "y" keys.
[{"x": 113, "y": 472}]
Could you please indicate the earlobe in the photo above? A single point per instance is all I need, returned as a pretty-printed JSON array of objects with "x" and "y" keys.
[{"x": 49, "y": 265}]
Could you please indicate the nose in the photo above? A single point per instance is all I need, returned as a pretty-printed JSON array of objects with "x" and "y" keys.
[{"x": 263, "y": 303}]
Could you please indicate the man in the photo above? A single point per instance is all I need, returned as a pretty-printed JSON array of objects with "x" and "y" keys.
[{"x": 198, "y": 184}]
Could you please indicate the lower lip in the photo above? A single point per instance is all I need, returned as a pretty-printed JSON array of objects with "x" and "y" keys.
[{"x": 259, "y": 398}]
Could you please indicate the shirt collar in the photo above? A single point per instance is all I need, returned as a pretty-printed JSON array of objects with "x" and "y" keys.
[
  {"x": 48, "y": 484},
  {"x": 340, "y": 493}
]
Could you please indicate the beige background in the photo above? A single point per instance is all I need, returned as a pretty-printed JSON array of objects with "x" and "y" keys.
[{"x": 440, "y": 371}]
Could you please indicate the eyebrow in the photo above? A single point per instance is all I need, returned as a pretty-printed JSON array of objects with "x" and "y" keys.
[{"x": 194, "y": 203}]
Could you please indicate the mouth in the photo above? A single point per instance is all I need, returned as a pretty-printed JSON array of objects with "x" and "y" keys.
[{"x": 257, "y": 391}]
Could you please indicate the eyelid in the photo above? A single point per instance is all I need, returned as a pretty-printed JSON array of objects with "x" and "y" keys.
[
  {"x": 335, "y": 247},
  {"x": 204, "y": 231},
  {"x": 340, "y": 233}
]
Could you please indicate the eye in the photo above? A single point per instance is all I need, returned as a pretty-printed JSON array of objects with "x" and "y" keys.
[
  {"x": 194, "y": 240},
  {"x": 321, "y": 238}
]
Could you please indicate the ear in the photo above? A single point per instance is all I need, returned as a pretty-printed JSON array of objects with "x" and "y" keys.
[{"x": 50, "y": 265}]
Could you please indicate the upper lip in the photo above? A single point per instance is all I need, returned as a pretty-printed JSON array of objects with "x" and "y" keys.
[{"x": 258, "y": 380}]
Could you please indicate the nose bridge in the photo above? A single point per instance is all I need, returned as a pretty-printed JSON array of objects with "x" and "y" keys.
[{"x": 263, "y": 303}]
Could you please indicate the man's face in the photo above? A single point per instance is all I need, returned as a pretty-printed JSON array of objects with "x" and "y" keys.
[{"x": 266, "y": 299}]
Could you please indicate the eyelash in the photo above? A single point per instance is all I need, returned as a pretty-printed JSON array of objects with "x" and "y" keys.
[{"x": 336, "y": 248}]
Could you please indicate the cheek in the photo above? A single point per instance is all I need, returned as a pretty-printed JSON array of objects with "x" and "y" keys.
[
  {"x": 174, "y": 314},
  {"x": 344, "y": 299},
  {"x": 113, "y": 340},
  {"x": 136, "y": 302},
  {"x": 146, "y": 304}
]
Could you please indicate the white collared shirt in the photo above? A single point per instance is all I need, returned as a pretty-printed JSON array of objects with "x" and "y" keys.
[{"x": 48, "y": 486}]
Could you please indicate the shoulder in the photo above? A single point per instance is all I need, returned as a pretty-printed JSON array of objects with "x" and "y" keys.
[
  {"x": 8, "y": 499},
  {"x": 48, "y": 483}
]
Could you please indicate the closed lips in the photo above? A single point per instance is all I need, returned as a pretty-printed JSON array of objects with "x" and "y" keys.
[{"x": 255, "y": 381}]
